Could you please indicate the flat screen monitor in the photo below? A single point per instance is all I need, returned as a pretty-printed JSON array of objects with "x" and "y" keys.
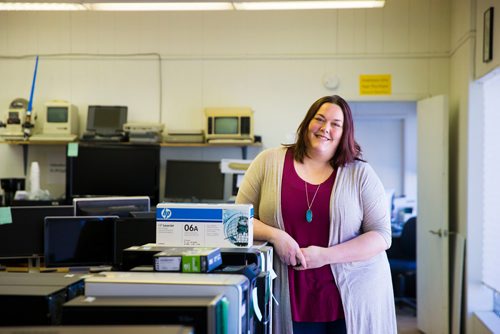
[
  {"x": 110, "y": 206},
  {"x": 78, "y": 241},
  {"x": 194, "y": 181},
  {"x": 132, "y": 231},
  {"x": 114, "y": 170},
  {"x": 143, "y": 214},
  {"x": 237, "y": 179},
  {"x": 106, "y": 120},
  {"x": 24, "y": 236}
]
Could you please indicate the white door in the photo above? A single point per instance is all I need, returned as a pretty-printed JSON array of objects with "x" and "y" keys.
[{"x": 432, "y": 216}]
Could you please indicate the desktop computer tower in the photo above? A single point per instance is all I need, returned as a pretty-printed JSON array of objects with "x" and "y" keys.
[
  {"x": 250, "y": 271},
  {"x": 140, "y": 258},
  {"x": 73, "y": 284},
  {"x": 146, "y": 329},
  {"x": 153, "y": 284},
  {"x": 260, "y": 255},
  {"x": 28, "y": 305},
  {"x": 241, "y": 256},
  {"x": 36, "y": 298},
  {"x": 204, "y": 314},
  {"x": 140, "y": 255},
  {"x": 265, "y": 289},
  {"x": 264, "y": 302}
]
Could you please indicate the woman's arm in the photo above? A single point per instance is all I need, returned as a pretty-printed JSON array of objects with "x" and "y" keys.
[
  {"x": 251, "y": 192},
  {"x": 284, "y": 245},
  {"x": 375, "y": 227},
  {"x": 360, "y": 248}
]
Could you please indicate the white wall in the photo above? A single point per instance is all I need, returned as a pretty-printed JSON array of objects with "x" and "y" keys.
[
  {"x": 273, "y": 62},
  {"x": 466, "y": 115},
  {"x": 483, "y": 194}
]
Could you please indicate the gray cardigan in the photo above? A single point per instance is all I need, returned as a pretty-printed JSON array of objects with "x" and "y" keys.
[{"x": 358, "y": 205}]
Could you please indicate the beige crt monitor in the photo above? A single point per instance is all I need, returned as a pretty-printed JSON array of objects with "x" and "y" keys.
[
  {"x": 229, "y": 125},
  {"x": 57, "y": 121}
]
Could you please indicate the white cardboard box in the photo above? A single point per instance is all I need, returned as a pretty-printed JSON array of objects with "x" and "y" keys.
[{"x": 204, "y": 225}]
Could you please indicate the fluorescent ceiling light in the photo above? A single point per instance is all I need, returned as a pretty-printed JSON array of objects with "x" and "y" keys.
[
  {"x": 150, "y": 6},
  {"x": 287, "y": 5},
  {"x": 48, "y": 6},
  {"x": 188, "y": 5}
]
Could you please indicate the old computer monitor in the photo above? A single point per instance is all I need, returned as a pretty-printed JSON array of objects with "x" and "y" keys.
[
  {"x": 106, "y": 120},
  {"x": 229, "y": 124},
  {"x": 59, "y": 118},
  {"x": 194, "y": 181}
]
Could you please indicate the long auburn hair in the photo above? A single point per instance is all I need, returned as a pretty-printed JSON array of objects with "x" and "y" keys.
[{"x": 348, "y": 149}]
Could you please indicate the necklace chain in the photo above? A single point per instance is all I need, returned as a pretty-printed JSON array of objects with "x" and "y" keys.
[
  {"x": 307, "y": 196},
  {"x": 309, "y": 213}
]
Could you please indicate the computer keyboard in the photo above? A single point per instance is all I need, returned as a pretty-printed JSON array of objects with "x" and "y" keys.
[
  {"x": 52, "y": 137},
  {"x": 109, "y": 138},
  {"x": 230, "y": 141},
  {"x": 103, "y": 138}
]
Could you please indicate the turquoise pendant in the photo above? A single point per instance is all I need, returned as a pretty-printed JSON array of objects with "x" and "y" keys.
[{"x": 309, "y": 215}]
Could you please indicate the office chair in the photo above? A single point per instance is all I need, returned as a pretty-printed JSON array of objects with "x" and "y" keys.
[{"x": 402, "y": 260}]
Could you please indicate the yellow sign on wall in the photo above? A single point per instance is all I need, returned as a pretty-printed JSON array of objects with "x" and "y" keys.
[{"x": 375, "y": 84}]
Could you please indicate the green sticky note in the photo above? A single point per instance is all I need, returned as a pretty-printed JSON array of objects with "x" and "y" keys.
[
  {"x": 72, "y": 149},
  {"x": 5, "y": 215}
]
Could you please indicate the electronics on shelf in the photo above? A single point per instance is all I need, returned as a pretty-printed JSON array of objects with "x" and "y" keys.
[
  {"x": 105, "y": 123},
  {"x": 186, "y": 136},
  {"x": 229, "y": 125},
  {"x": 12, "y": 129},
  {"x": 144, "y": 132},
  {"x": 58, "y": 121}
]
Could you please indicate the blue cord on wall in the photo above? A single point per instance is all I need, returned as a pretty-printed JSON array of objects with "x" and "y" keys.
[{"x": 30, "y": 103}]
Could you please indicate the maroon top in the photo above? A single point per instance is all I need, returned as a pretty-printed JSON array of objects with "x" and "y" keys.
[{"x": 314, "y": 296}]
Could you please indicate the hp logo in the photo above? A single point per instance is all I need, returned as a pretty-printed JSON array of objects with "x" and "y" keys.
[{"x": 166, "y": 213}]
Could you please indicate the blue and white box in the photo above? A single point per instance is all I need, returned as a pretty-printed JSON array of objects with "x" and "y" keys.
[{"x": 204, "y": 225}]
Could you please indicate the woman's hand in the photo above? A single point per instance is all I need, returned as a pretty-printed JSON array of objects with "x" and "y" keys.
[
  {"x": 360, "y": 248},
  {"x": 288, "y": 249},
  {"x": 314, "y": 257}
]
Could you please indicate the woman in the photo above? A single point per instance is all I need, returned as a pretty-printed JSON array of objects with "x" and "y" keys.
[{"x": 323, "y": 209}]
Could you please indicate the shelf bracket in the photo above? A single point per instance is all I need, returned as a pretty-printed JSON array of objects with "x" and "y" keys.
[{"x": 25, "y": 158}]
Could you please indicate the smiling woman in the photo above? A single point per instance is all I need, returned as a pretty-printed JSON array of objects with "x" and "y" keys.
[{"x": 324, "y": 210}]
